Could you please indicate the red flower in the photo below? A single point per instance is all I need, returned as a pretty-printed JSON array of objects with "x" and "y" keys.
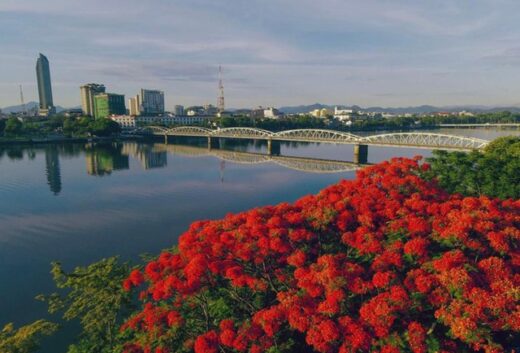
[
  {"x": 207, "y": 343},
  {"x": 367, "y": 265}
]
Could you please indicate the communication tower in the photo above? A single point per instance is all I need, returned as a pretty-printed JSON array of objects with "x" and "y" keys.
[
  {"x": 220, "y": 102},
  {"x": 24, "y": 110}
]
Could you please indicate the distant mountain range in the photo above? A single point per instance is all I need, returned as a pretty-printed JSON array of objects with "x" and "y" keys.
[
  {"x": 423, "y": 109},
  {"x": 29, "y": 106}
]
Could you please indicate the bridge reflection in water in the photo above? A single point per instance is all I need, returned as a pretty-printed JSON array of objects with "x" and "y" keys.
[
  {"x": 309, "y": 165},
  {"x": 399, "y": 139}
]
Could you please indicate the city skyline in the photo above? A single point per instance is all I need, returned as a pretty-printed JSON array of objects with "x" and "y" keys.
[{"x": 349, "y": 52}]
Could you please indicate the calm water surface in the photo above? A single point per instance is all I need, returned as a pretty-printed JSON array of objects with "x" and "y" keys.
[{"x": 78, "y": 203}]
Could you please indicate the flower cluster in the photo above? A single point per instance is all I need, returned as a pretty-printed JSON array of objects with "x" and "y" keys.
[{"x": 387, "y": 262}]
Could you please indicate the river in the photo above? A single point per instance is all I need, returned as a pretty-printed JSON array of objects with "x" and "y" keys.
[{"x": 78, "y": 203}]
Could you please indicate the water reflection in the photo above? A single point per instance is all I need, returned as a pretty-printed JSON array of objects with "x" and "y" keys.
[
  {"x": 146, "y": 154},
  {"x": 103, "y": 159},
  {"x": 52, "y": 168}
]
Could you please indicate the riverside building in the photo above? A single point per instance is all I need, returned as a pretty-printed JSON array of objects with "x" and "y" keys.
[
  {"x": 152, "y": 102},
  {"x": 106, "y": 104},
  {"x": 134, "y": 105},
  {"x": 88, "y": 92}
]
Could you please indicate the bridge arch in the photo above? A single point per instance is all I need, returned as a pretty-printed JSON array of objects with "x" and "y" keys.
[
  {"x": 426, "y": 140},
  {"x": 189, "y": 131},
  {"x": 154, "y": 129},
  {"x": 317, "y": 135},
  {"x": 242, "y": 132}
]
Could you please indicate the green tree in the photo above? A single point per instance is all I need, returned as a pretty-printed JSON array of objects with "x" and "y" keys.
[
  {"x": 26, "y": 338},
  {"x": 493, "y": 172},
  {"x": 94, "y": 296},
  {"x": 2, "y": 125},
  {"x": 13, "y": 126},
  {"x": 103, "y": 127}
]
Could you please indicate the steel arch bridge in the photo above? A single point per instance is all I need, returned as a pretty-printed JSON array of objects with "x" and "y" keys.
[{"x": 404, "y": 139}]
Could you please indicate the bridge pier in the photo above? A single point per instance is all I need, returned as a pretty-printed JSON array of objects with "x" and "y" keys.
[
  {"x": 213, "y": 143},
  {"x": 273, "y": 147},
  {"x": 360, "y": 154},
  {"x": 165, "y": 139}
]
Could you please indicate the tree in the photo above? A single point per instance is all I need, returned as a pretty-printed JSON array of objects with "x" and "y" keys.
[
  {"x": 13, "y": 126},
  {"x": 388, "y": 262},
  {"x": 103, "y": 127},
  {"x": 2, "y": 125},
  {"x": 94, "y": 296},
  {"x": 495, "y": 171},
  {"x": 26, "y": 338}
]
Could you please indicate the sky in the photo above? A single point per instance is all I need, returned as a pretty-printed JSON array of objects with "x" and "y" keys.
[{"x": 273, "y": 53}]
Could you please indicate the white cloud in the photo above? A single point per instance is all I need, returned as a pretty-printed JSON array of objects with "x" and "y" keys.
[{"x": 274, "y": 52}]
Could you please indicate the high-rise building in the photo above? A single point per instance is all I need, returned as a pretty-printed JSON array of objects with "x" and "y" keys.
[
  {"x": 178, "y": 110},
  {"x": 106, "y": 104},
  {"x": 134, "y": 105},
  {"x": 43, "y": 76},
  {"x": 88, "y": 91},
  {"x": 152, "y": 102}
]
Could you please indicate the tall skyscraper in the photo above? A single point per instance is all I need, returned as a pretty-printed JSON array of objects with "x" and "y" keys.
[
  {"x": 88, "y": 91},
  {"x": 152, "y": 102},
  {"x": 43, "y": 76},
  {"x": 106, "y": 104}
]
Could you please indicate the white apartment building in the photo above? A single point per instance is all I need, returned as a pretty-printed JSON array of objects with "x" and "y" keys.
[
  {"x": 131, "y": 122},
  {"x": 125, "y": 121},
  {"x": 271, "y": 113},
  {"x": 343, "y": 114}
]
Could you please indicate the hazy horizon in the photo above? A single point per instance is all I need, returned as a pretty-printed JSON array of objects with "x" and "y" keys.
[{"x": 368, "y": 53}]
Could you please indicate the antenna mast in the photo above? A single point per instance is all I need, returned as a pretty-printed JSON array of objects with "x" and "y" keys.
[
  {"x": 24, "y": 110},
  {"x": 220, "y": 102}
]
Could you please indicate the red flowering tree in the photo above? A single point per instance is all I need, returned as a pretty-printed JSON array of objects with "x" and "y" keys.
[{"x": 387, "y": 262}]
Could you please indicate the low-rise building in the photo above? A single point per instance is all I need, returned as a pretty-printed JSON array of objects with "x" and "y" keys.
[
  {"x": 125, "y": 121},
  {"x": 272, "y": 113},
  {"x": 466, "y": 113},
  {"x": 342, "y": 114},
  {"x": 131, "y": 122},
  {"x": 321, "y": 113}
]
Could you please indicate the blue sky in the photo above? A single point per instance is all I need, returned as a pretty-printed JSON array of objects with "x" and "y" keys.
[{"x": 284, "y": 52}]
